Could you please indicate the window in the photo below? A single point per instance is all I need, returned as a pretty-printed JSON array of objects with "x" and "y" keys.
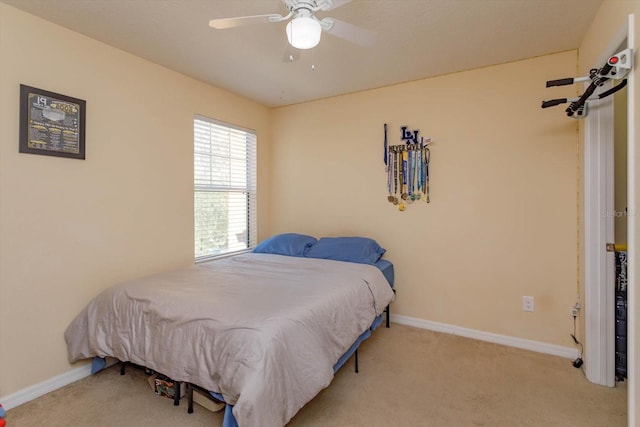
[{"x": 224, "y": 164}]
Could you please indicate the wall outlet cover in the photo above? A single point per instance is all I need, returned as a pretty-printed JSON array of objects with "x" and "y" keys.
[{"x": 528, "y": 303}]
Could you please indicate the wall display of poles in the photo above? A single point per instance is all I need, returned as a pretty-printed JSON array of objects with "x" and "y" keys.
[{"x": 407, "y": 167}]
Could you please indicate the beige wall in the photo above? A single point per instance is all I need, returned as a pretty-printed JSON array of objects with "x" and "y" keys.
[
  {"x": 502, "y": 222},
  {"x": 611, "y": 17},
  {"x": 502, "y": 219},
  {"x": 69, "y": 228}
]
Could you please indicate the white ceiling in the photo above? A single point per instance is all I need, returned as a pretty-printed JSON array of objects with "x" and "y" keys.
[{"x": 415, "y": 39}]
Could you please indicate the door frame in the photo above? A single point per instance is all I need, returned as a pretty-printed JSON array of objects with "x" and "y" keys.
[{"x": 598, "y": 226}]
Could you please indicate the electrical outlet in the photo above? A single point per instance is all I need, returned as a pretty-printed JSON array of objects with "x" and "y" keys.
[
  {"x": 575, "y": 310},
  {"x": 528, "y": 303}
]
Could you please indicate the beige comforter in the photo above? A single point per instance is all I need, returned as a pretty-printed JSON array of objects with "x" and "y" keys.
[{"x": 263, "y": 330}]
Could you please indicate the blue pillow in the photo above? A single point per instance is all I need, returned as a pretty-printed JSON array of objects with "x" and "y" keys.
[
  {"x": 291, "y": 244},
  {"x": 352, "y": 249}
]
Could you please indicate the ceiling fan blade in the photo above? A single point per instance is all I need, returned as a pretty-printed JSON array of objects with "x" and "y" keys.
[
  {"x": 337, "y": 3},
  {"x": 224, "y": 23},
  {"x": 350, "y": 32}
]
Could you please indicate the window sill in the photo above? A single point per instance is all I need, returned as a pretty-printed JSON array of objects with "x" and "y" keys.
[{"x": 224, "y": 255}]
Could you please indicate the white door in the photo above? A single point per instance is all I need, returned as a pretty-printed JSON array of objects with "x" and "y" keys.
[{"x": 599, "y": 230}]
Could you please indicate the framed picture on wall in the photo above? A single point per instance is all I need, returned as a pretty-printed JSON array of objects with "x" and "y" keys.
[{"x": 51, "y": 124}]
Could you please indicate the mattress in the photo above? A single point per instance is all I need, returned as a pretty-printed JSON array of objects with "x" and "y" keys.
[{"x": 387, "y": 270}]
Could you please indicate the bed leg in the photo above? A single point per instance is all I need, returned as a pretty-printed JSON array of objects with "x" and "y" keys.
[
  {"x": 388, "y": 310},
  {"x": 189, "y": 398},
  {"x": 122, "y": 365},
  {"x": 356, "y": 360},
  {"x": 176, "y": 393}
]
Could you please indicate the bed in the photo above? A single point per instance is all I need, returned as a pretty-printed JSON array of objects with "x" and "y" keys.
[{"x": 265, "y": 331}]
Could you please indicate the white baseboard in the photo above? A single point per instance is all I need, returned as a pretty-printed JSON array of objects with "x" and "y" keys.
[
  {"x": 33, "y": 392},
  {"x": 537, "y": 346}
]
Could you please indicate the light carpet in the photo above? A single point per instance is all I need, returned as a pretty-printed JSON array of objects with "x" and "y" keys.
[{"x": 408, "y": 377}]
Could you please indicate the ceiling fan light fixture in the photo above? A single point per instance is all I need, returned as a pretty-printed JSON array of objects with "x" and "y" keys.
[{"x": 303, "y": 32}]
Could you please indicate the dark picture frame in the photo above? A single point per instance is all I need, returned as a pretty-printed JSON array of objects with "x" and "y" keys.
[{"x": 51, "y": 124}]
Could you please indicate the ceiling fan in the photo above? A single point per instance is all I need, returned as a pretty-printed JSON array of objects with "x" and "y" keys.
[{"x": 304, "y": 29}]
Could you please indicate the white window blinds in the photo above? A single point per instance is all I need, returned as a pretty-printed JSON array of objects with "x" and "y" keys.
[{"x": 225, "y": 188}]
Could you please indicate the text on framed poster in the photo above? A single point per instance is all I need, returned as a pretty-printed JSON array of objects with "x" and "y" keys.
[{"x": 51, "y": 124}]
